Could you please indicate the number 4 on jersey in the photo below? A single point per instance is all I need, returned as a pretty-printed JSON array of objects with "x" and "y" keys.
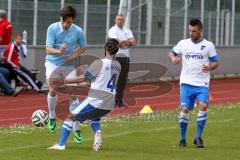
[{"x": 112, "y": 82}]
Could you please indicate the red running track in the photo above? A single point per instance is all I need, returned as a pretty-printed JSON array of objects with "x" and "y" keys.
[{"x": 160, "y": 96}]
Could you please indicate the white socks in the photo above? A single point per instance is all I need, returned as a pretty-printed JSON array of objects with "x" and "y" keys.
[
  {"x": 52, "y": 102},
  {"x": 76, "y": 125},
  {"x": 75, "y": 104}
]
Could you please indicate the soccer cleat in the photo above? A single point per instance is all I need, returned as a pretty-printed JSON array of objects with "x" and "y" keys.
[
  {"x": 198, "y": 142},
  {"x": 183, "y": 143},
  {"x": 52, "y": 125},
  {"x": 57, "y": 147},
  {"x": 77, "y": 137},
  {"x": 97, "y": 141}
]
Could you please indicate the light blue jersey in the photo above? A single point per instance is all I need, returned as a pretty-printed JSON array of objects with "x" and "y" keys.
[{"x": 56, "y": 36}]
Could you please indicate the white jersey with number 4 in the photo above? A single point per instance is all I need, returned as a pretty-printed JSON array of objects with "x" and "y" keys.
[
  {"x": 103, "y": 75},
  {"x": 194, "y": 56}
]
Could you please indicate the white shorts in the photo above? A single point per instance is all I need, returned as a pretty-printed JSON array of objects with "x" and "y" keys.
[{"x": 55, "y": 71}]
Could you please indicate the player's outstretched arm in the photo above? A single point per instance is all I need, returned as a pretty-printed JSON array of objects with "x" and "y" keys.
[
  {"x": 175, "y": 60},
  {"x": 78, "y": 79}
]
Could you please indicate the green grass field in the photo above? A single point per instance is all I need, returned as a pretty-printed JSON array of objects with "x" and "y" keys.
[{"x": 132, "y": 138}]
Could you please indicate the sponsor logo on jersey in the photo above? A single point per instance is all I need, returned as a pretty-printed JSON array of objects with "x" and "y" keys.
[{"x": 202, "y": 47}]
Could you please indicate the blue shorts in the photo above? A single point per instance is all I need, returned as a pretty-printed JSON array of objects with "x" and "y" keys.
[
  {"x": 85, "y": 111},
  {"x": 190, "y": 93}
]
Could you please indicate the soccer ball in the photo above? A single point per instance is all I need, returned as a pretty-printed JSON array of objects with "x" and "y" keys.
[{"x": 40, "y": 118}]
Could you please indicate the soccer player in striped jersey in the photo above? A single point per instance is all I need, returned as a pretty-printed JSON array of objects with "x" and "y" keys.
[
  {"x": 199, "y": 57},
  {"x": 103, "y": 75}
]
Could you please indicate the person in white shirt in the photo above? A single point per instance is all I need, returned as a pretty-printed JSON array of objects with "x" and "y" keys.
[
  {"x": 199, "y": 57},
  {"x": 126, "y": 40}
]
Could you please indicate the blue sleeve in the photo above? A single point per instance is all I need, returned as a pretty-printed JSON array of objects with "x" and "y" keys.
[
  {"x": 50, "y": 37},
  {"x": 81, "y": 40},
  {"x": 88, "y": 76},
  {"x": 214, "y": 58},
  {"x": 171, "y": 50}
]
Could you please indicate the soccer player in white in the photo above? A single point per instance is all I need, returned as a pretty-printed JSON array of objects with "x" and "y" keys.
[
  {"x": 199, "y": 57},
  {"x": 61, "y": 41},
  {"x": 103, "y": 75}
]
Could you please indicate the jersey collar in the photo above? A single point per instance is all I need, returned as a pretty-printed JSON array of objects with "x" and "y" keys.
[
  {"x": 64, "y": 29},
  {"x": 119, "y": 27},
  {"x": 196, "y": 42}
]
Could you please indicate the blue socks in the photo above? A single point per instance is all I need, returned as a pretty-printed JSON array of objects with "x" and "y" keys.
[
  {"x": 201, "y": 121},
  {"x": 183, "y": 123},
  {"x": 66, "y": 129},
  {"x": 95, "y": 125}
]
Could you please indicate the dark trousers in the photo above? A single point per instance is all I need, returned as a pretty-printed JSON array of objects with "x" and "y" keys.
[
  {"x": 123, "y": 77},
  {"x": 28, "y": 77},
  {"x": 12, "y": 74}
]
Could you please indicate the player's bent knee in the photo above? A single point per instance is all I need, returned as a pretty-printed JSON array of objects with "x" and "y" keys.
[
  {"x": 185, "y": 110},
  {"x": 71, "y": 116},
  {"x": 203, "y": 106}
]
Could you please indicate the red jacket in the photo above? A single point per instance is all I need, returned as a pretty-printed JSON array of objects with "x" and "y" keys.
[
  {"x": 12, "y": 55},
  {"x": 5, "y": 32}
]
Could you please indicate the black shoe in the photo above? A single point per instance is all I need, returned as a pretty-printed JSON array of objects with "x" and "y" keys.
[
  {"x": 121, "y": 104},
  {"x": 39, "y": 84},
  {"x": 118, "y": 103},
  {"x": 198, "y": 142},
  {"x": 183, "y": 143}
]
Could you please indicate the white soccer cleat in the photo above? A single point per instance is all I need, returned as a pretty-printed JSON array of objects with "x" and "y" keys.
[
  {"x": 97, "y": 141},
  {"x": 57, "y": 147}
]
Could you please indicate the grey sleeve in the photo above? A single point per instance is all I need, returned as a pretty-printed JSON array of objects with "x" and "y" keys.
[{"x": 93, "y": 69}]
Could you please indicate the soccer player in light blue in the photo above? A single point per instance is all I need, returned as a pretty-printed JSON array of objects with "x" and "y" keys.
[
  {"x": 198, "y": 57},
  {"x": 103, "y": 75},
  {"x": 65, "y": 42}
]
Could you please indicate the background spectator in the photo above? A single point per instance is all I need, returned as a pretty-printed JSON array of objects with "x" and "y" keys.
[{"x": 5, "y": 30}]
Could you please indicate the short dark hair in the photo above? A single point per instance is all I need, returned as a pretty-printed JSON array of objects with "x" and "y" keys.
[
  {"x": 67, "y": 11},
  {"x": 18, "y": 34},
  {"x": 112, "y": 46},
  {"x": 196, "y": 22}
]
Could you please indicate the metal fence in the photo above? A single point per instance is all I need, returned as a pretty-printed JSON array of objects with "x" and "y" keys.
[{"x": 153, "y": 22}]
